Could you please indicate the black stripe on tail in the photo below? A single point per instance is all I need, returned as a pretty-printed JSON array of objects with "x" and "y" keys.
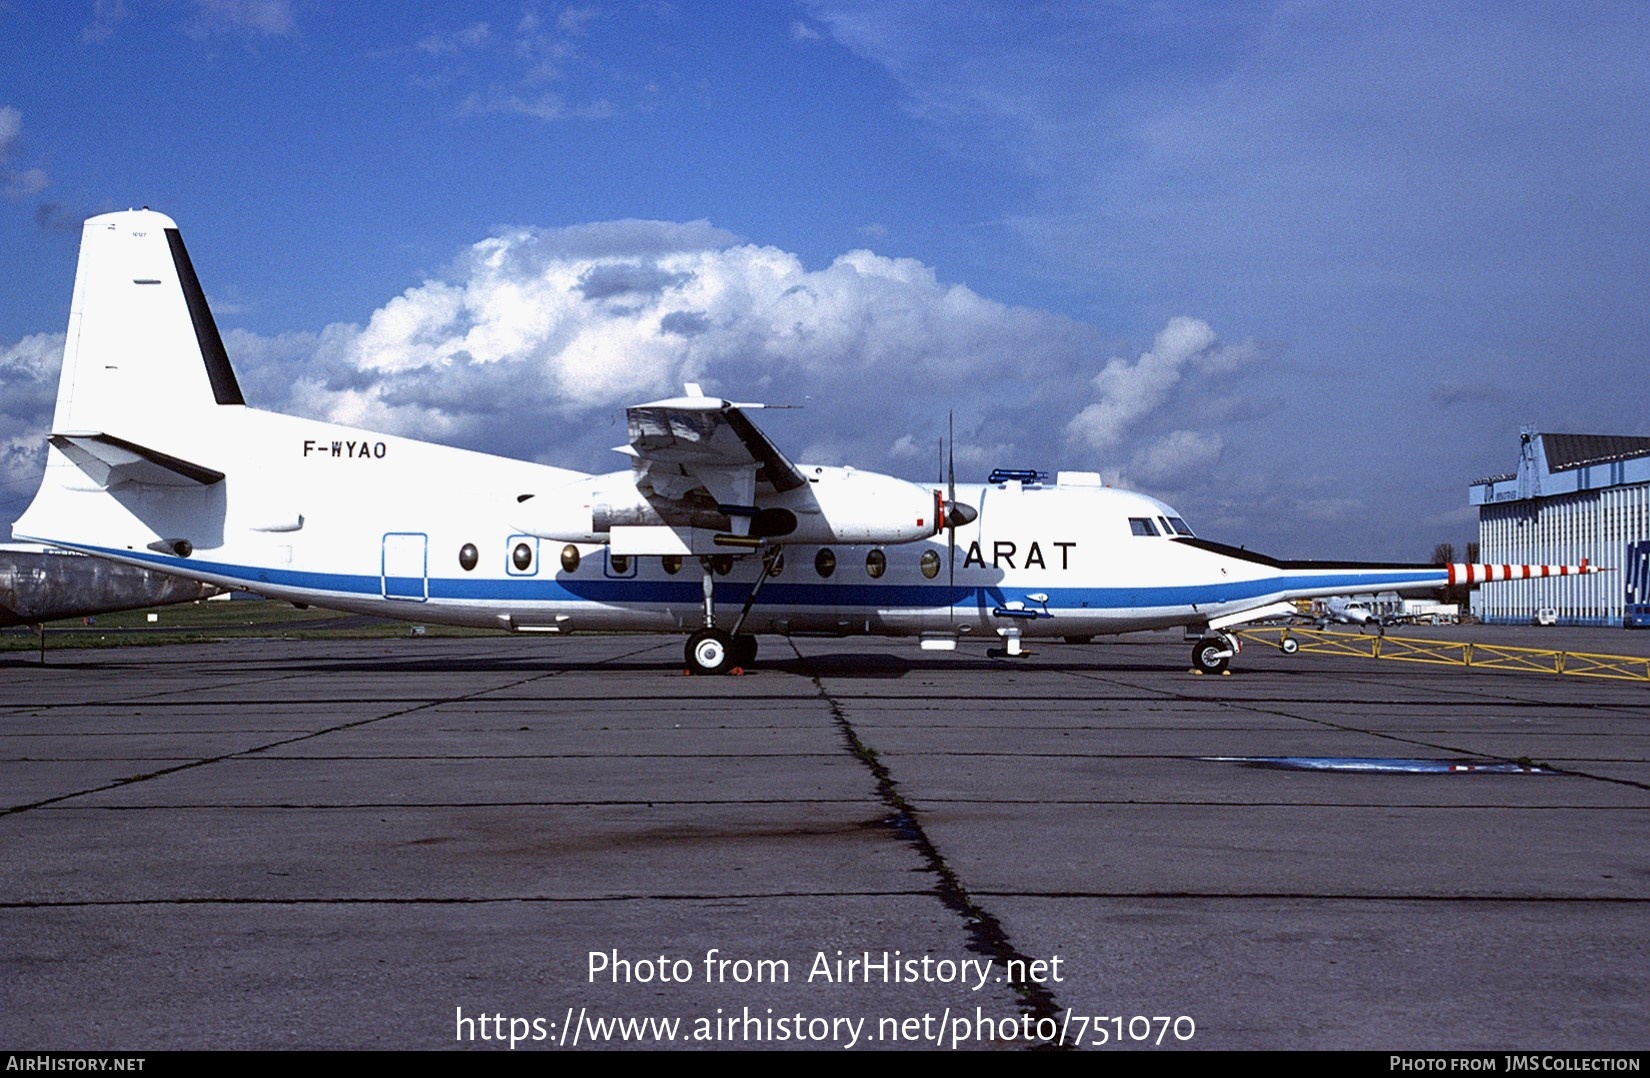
[{"x": 225, "y": 390}]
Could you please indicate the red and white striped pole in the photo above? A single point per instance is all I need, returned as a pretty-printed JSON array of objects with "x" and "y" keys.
[{"x": 1478, "y": 573}]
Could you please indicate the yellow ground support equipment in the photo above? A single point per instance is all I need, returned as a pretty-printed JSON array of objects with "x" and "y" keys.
[{"x": 1411, "y": 649}]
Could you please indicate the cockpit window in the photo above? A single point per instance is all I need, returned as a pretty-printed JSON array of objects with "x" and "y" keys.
[
  {"x": 1179, "y": 526},
  {"x": 1142, "y": 526}
]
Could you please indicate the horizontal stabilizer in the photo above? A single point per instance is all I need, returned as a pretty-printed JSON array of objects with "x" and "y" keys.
[{"x": 109, "y": 460}]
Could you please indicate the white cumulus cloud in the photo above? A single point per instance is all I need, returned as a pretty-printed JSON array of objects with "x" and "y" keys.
[
  {"x": 16, "y": 182},
  {"x": 28, "y": 388},
  {"x": 533, "y": 341},
  {"x": 1125, "y": 427},
  {"x": 533, "y": 325},
  {"x": 1131, "y": 391},
  {"x": 270, "y": 17},
  {"x": 1176, "y": 460}
]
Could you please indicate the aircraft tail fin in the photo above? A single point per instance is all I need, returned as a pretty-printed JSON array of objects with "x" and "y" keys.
[{"x": 143, "y": 349}]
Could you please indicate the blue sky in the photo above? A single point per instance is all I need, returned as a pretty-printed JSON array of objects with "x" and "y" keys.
[{"x": 1300, "y": 269}]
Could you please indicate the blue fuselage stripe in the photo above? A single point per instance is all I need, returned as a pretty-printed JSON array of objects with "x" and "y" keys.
[{"x": 687, "y": 591}]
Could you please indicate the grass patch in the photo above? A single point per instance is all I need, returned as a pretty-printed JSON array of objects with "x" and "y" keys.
[{"x": 197, "y": 622}]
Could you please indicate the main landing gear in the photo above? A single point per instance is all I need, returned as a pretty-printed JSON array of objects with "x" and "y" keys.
[{"x": 717, "y": 651}]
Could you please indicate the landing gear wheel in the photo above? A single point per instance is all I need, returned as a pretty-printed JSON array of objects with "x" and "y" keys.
[
  {"x": 1208, "y": 656},
  {"x": 744, "y": 649},
  {"x": 1289, "y": 645},
  {"x": 710, "y": 651}
]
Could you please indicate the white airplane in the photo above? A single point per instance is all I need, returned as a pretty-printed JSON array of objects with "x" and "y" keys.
[
  {"x": 155, "y": 460},
  {"x": 1347, "y": 611}
]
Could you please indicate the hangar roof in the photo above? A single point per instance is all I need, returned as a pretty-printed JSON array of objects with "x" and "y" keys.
[
  {"x": 1554, "y": 464},
  {"x": 1574, "y": 450}
]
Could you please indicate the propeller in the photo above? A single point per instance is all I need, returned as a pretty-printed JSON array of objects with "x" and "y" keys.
[{"x": 955, "y": 512}]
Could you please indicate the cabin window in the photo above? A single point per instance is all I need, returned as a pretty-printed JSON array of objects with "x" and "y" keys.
[
  {"x": 619, "y": 563},
  {"x": 876, "y": 563},
  {"x": 569, "y": 557},
  {"x": 1142, "y": 526},
  {"x": 722, "y": 564},
  {"x": 468, "y": 556},
  {"x": 825, "y": 562},
  {"x": 522, "y": 557},
  {"x": 672, "y": 563},
  {"x": 778, "y": 564},
  {"x": 930, "y": 564}
]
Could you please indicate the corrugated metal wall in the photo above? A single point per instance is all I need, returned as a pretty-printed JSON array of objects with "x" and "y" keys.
[{"x": 1598, "y": 525}]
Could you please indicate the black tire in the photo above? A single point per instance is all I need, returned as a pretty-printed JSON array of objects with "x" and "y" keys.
[
  {"x": 709, "y": 651},
  {"x": 744, "y": 649},
  {"x": 1289, "y": 645},
  {"x": 1207, "y": 657}
]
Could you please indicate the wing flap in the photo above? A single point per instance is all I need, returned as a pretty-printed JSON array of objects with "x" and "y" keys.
[{"x": 710, "y": 441}]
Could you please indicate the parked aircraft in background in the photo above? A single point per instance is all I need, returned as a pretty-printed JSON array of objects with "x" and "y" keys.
[
  {"x": 1338, "y": 608},
  {"x": 156, "y": 461},
  {"x": 40, "y": 584}
]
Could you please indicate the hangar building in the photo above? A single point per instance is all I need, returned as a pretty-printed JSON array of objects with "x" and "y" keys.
[{"x": 1574, "y": 496}]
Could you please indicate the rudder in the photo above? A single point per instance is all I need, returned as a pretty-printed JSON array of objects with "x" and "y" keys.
[{"x": 142, "y": 349}]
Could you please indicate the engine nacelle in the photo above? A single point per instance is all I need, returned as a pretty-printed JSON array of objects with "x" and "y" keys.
[
  {"x": 838, "y": 505},
  {"x": 843, "y": 505},
  {"x": 564, "y": 515}
]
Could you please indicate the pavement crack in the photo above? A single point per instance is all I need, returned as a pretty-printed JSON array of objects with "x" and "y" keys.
[
  {"x": 256, "y": 750},
  {"x": 986, "y": 932}
]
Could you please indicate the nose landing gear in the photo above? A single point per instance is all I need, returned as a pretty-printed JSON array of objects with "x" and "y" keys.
[{"x": 1213, "y": 654}]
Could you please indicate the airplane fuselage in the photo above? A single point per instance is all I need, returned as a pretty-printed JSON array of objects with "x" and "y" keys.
[
  {"x": 156, "y": 460},
  {"x": 332, "y": 516}
]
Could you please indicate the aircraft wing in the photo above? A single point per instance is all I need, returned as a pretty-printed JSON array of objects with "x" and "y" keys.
[{"x": 687, "y": 443}]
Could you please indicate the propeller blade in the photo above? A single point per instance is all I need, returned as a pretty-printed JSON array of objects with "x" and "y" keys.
[
  {"x": 955, "y": 512},
  {"x": 951, "y": 456},
  {"x": 951, "y": 494}
]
